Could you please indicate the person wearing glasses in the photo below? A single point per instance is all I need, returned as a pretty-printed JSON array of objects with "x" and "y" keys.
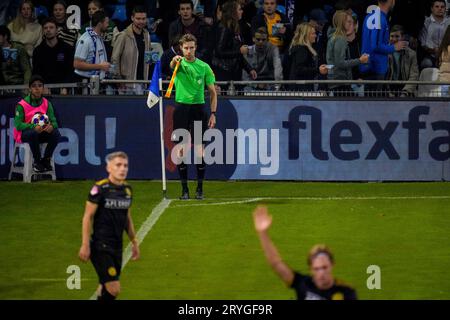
[{"x": 34, "y": 134}]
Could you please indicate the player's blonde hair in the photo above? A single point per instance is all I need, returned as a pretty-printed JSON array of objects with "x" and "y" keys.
[
  {"x": 317, "y": 250},
  {"x": 117, "y": 154}
]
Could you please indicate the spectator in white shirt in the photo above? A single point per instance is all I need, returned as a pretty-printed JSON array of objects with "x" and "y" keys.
[{"x": 433, "y": 32}]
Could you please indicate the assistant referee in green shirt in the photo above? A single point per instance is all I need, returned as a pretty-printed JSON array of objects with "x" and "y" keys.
[{"x": 192, "y": 76}]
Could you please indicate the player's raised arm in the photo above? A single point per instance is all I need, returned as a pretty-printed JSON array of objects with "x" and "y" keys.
[
  {"x": 263, "y": 222},
  {"x": 89, "y": 212},
  {"x": 132, "y": 236}
]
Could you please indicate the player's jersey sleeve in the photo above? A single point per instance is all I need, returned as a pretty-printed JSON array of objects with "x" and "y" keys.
[
  {"x": 95, "y": 195},
  {"x": 210, "y": 78}
]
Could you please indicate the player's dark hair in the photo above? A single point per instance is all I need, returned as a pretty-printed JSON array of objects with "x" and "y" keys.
[
  {"x": 187, "y": 38},
  {"x": 138, "y": 9},
  {"x": 186, "y": 2},
  {"x": 318, "y": 250},
  {"x": 34, "y": 78},
  {"x": 98, "y": 17}
]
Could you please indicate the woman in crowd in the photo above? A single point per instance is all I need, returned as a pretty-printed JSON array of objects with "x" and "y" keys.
[
  {"x": 25, "y": 29},
  {"x": 303, "y": 61},
  {"x": 228, "y": 60},
  {"x": 338, "y": 52},
  {"x": 66, "y": 34}
]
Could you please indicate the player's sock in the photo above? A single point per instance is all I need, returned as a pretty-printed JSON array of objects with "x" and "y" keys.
[
  {"x": 106, "y": 296},
  {"x": 200, "y": 175},
  {"x": 182, "y": 170}
]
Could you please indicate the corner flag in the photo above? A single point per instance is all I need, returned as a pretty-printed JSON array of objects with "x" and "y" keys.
[{"x": 153, "y": 88}]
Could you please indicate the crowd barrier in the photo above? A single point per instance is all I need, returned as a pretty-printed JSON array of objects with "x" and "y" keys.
[{"x": 257, "y": 139}]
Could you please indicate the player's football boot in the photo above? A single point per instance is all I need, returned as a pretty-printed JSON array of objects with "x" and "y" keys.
[
  {"x": 185, "y": 195},
  {"x": 199, "y": 194}
]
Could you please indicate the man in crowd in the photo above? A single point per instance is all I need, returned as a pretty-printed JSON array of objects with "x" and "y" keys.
[{"x": 15, "y": 65}]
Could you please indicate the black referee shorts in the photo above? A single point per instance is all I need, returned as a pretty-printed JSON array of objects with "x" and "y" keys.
[
  {"x": 107, "y": 262},
  {"x": 184, "y": 117}
]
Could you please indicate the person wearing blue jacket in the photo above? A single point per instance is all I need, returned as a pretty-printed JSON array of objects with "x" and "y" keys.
[{"x": 375, "y": 43}]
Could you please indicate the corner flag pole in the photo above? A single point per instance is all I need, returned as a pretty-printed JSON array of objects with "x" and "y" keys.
[{"x": 161, "y": 126}]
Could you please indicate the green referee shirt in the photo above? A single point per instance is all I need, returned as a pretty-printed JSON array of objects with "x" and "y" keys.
[{"x": 191, "y": 80}]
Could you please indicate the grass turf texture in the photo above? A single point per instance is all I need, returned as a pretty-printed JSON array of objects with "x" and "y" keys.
[{"x": 212, "y": 252}]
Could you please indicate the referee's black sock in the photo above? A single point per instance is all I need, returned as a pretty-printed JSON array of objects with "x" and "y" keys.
[
  {"x": 106, "y": 296},
  {"x": 182, "y": 170},
  {"x": 200, "y": 175}
]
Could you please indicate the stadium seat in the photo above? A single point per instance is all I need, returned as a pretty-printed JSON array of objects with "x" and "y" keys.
[
  {"x": 429, "y": 74},
  {"x": 27, "y": 169}
]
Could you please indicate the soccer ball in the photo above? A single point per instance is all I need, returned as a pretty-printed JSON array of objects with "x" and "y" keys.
[{"x": 40, "y": 119}]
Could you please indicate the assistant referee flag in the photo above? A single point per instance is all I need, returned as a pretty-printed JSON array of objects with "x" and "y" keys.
[{"x": 153, "y": 88}]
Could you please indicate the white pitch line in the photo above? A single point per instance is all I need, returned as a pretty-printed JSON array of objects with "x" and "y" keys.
[
  {"x": 142, "y": 232},
  {"x": 250, "y": 200},
  {"x": 225, "y": 203}
]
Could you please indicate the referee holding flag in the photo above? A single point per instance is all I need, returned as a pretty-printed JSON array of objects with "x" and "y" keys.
[{"x": 191, "y": 76}]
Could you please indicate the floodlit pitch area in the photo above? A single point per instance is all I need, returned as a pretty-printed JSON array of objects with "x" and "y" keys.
[{"x": 209, "y": 249}]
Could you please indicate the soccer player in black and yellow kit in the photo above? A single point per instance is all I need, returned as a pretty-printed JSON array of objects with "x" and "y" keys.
[
  {"x": 321, "y": 285},
  {"x": 108, "y": 212}
]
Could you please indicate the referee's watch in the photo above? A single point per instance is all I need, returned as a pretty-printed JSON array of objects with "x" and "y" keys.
[{"x": 213, "y": 113}]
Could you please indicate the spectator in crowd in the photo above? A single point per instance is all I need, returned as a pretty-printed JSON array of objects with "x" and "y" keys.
[
  {"x": 228, "y": 59},
  {"x": 90, "y": 53},
  {"x": 34, "y": 134},
  {"x": 25, "y": 29},
  {"x": 433, "y": 32},
  {"x": 53, "y": 58},
  {"x": 110, "y": 35},
  {"x": 303, "y": 59},
  {"x": 318, "y": 19},
  {"x": 67, "y": 34},
  {"x": 276, "y": 23},
  {"x": 338, "y": 52},
  {"x": 15, "y": 67},
  {"x": 264, "y": 57},
  {"x": 375, "y": 43},
  {"x": 444, "y": 62},
  {"x": 131, "y": 53},
  {"x": 167, "y": 56},
  {"x": 188, "y": 22},
  {"x": 402, "y": 65}
]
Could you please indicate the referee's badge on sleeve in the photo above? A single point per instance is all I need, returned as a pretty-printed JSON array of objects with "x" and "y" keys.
[{"x": 94, "y": 190}]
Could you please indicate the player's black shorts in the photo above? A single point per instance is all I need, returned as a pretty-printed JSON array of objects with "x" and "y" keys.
[
  {"x": 184, "y": 117},
  {"x": 107, "y": 262}
]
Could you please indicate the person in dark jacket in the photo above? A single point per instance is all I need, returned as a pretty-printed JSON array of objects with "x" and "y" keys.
[
  {"x": 188, "y": 22},
  {"x": 303, "y": 59},
  {"x": 228, "y": 59},
  {"x": 276, "y": 23}
]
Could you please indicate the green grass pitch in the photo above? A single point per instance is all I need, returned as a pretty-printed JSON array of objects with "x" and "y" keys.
[{"x": 209, "y": 249}]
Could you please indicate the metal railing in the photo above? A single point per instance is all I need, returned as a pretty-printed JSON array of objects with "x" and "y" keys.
[{"x": 288, "y": 88}]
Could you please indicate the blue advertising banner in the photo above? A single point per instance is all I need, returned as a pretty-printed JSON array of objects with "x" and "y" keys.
[{"x": 255, "y": 139}]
